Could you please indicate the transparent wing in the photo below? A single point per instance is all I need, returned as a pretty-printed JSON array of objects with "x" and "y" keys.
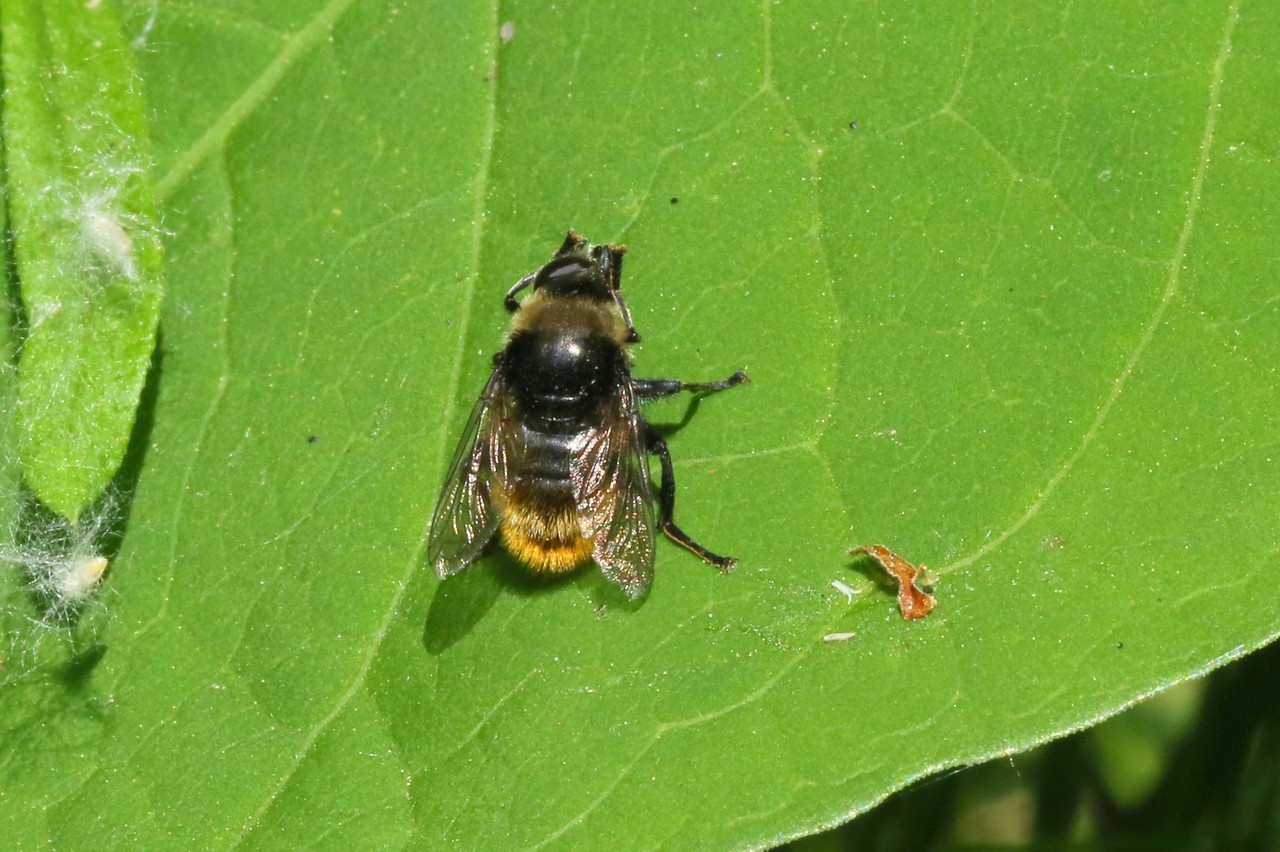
[
  {"x": 465, "y": 518},
  {"x": 614, "y": 496}
]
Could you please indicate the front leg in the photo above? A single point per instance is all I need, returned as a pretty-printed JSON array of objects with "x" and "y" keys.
[
  {"x": 648, "y": 389},
  {"x": 510, "y": 302}
]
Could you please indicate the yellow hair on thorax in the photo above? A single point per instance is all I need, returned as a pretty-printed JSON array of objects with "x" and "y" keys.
[{"x": 558, "y": 314}]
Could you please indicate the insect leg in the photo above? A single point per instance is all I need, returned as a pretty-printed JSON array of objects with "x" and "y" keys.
[
  {"x": 658, "y": 388},
  {"x": 609, "y": 262},
  {"x": 510, "y": 301},
  {"x": 657, "y": 445}
]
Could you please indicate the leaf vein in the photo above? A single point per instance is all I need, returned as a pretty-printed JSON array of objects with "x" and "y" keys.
[
  {"x": 213, "y": 139},
  {"x": 376, "y": 640},
  {"x": 1172, "y": 285}
]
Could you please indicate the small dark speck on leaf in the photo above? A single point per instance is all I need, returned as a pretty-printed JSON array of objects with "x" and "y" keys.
[
  {"x": 675, "y": 200},
  {"x": 311, "y": 439},
  {"x": 1119, "y": 646},
  {"x": 853, "y": 125}
]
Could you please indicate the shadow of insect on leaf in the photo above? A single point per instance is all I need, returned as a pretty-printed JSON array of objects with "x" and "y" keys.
[
  {"x": 668, "y": 430},
  {"x": 457, "y": 608},
  {"x": 460, "y": 603}
]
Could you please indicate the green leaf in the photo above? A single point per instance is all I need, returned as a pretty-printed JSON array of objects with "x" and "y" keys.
[
  {"x": 1019, "y": 325},
  {"x": 86, "y": 238},
  {"x": 11, "y": 582}
]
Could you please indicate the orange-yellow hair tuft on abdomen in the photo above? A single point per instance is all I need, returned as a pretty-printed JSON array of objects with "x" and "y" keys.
[{"x": 549, "y": 541}]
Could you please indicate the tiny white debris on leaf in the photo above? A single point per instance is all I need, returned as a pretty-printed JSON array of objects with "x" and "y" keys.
[
  {"x": 507, "y": 31},
  {"x": 848, "y": 591},
  {"x": 61, "y": 560},
  {"x": 140, "y": 40},
  {"x": 108, "y": 239},
  {"x": 76, "y": 579},
  {"x": 838, "y": 637}
]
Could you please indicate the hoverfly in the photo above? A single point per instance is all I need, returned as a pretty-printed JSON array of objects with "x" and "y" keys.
[{"x": 554, "y": 457}]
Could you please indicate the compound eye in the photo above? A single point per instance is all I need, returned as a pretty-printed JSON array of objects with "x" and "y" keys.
[{"x": 565, "y": 273}]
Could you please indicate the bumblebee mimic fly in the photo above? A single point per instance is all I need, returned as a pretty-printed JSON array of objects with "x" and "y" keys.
[{"x": 554, "y": 458}]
